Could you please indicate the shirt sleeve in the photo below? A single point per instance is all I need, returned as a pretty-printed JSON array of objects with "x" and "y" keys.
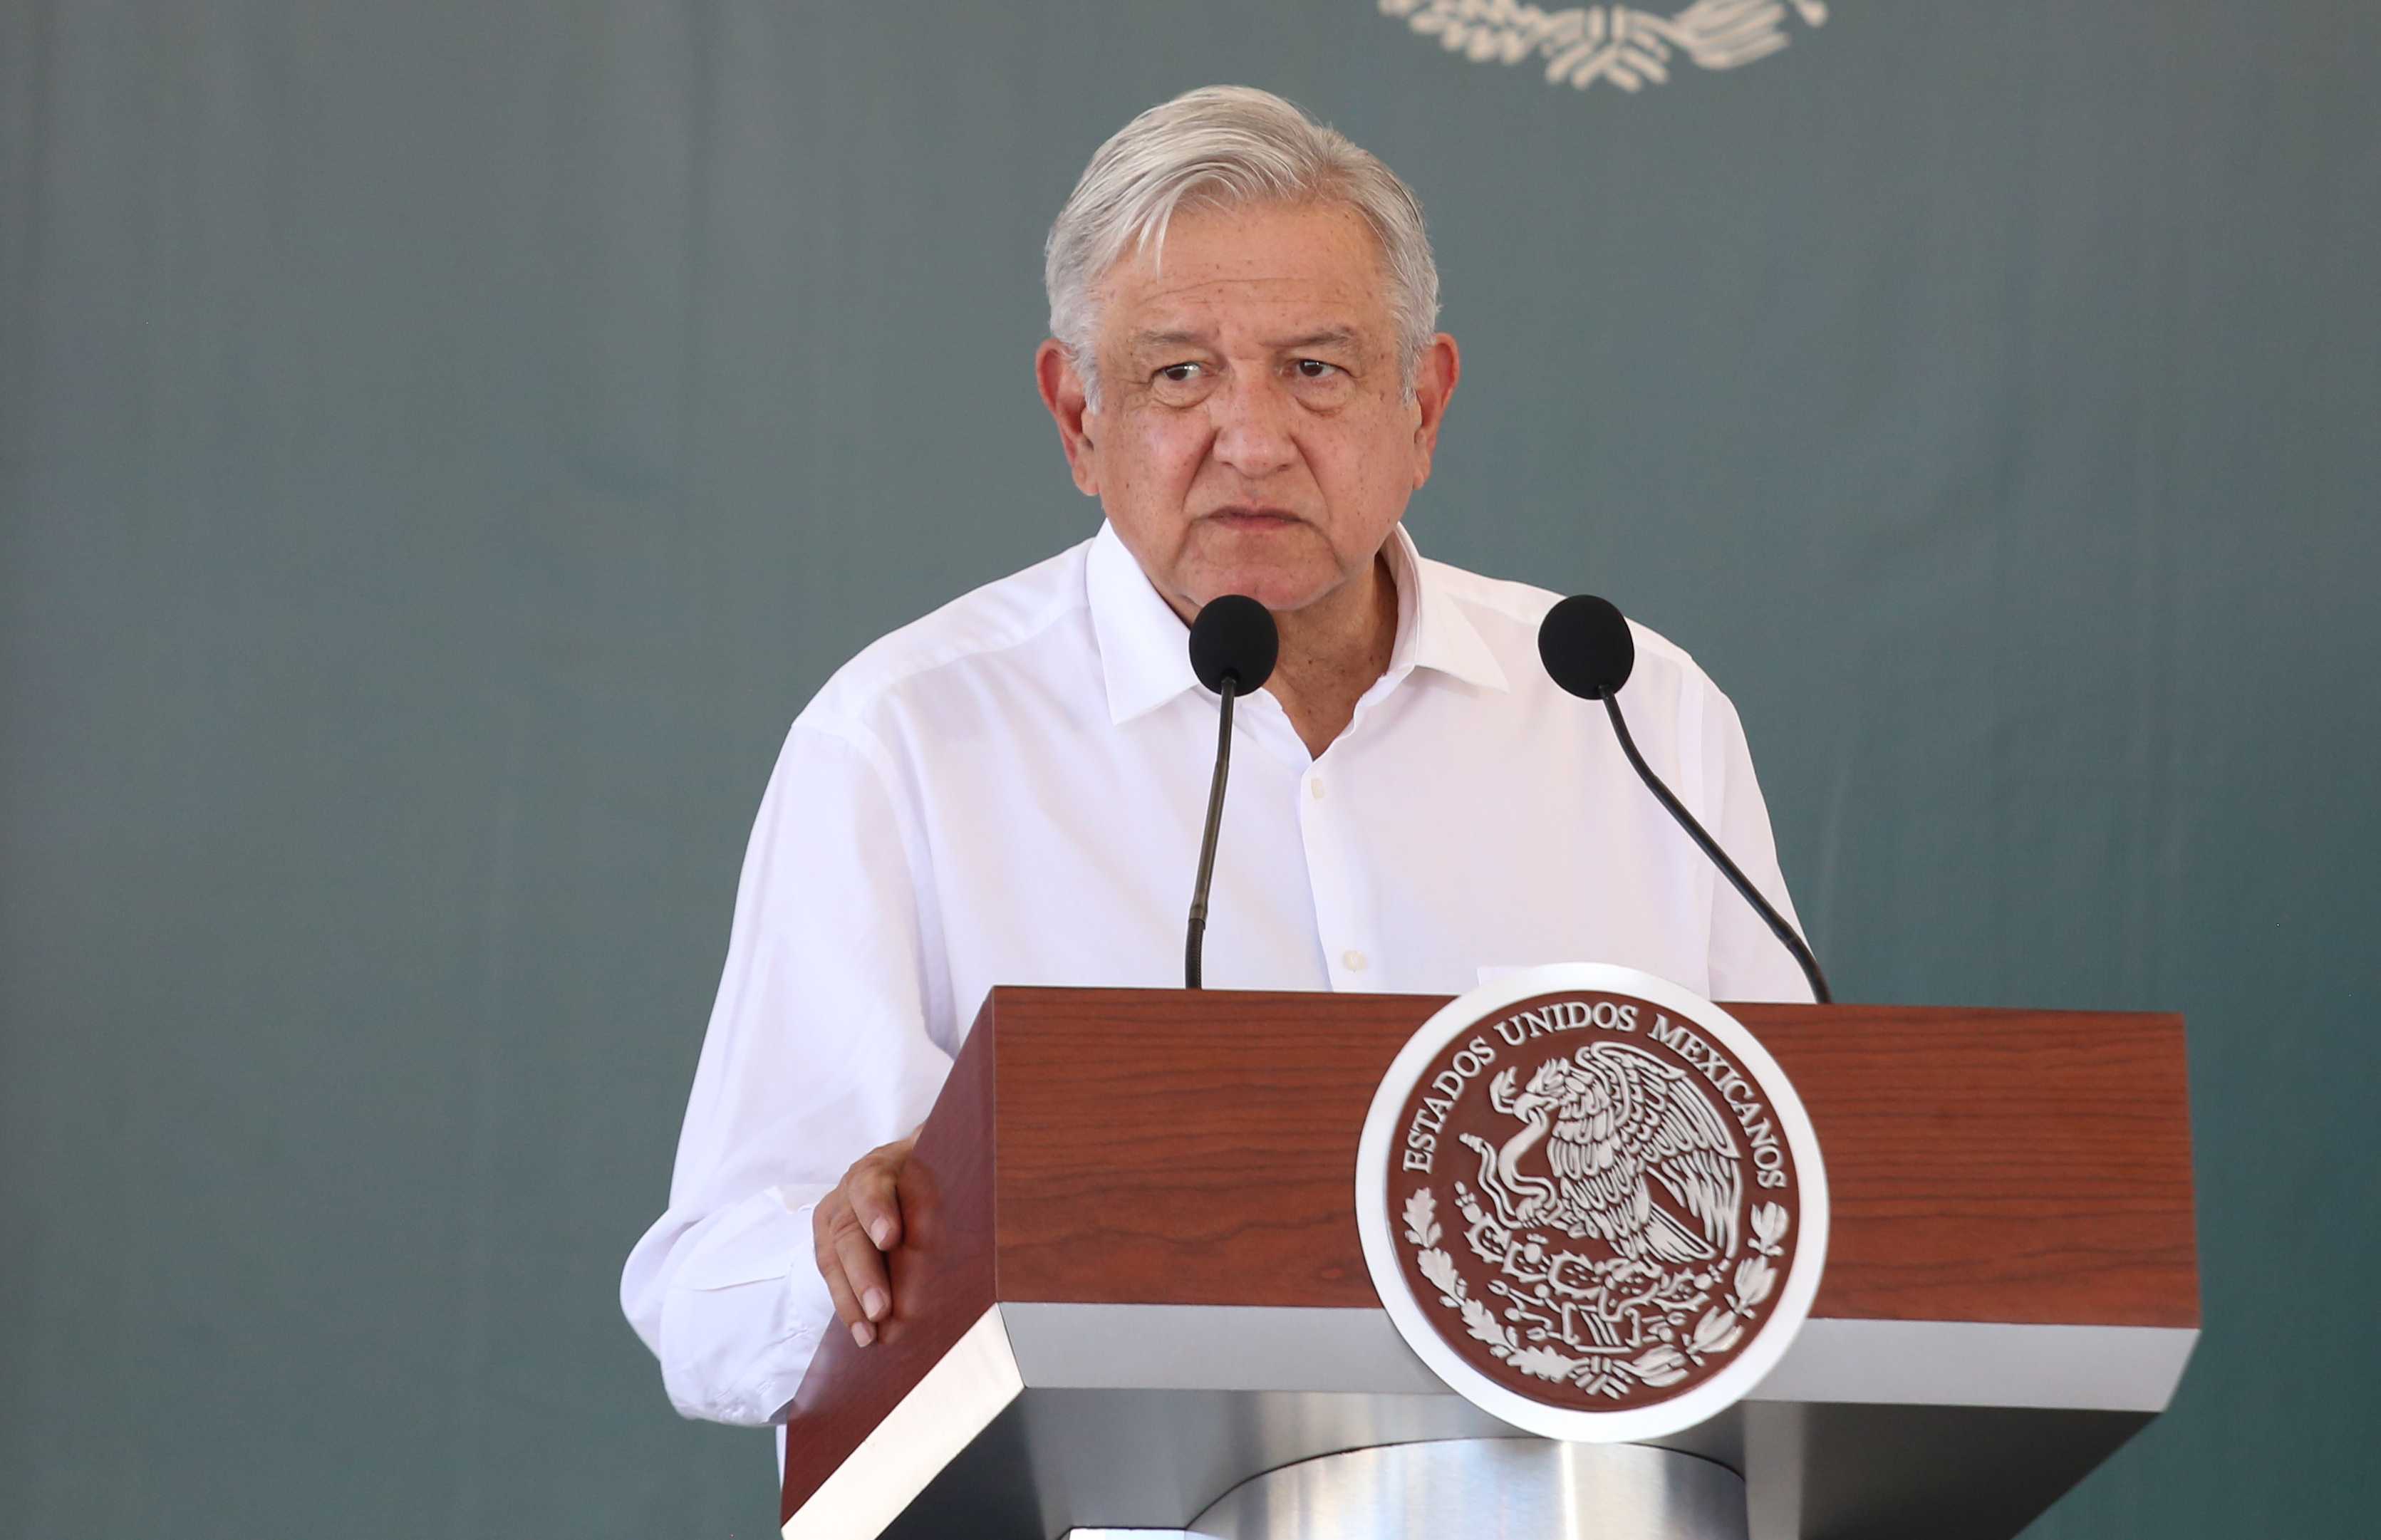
[
  {"x": 1747, "y": 962},
  {"x": 818, "y": 1050}
]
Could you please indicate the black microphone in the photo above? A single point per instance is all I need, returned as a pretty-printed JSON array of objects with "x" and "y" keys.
[
  {"x": 1586, "y": 646},
  {"x": 1233, "y": 645}
]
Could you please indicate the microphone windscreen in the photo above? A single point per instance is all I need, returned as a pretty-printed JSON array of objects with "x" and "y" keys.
[
  {"x": 1236, "y": 636},
  {"x": 1585, "y": 645}
]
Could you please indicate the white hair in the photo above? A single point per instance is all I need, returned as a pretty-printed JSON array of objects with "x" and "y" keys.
[{"x": 1225, "y": 147}]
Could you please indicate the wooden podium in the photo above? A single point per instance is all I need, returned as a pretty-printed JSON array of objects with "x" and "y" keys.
[{"x": 1132, "y": 1280}]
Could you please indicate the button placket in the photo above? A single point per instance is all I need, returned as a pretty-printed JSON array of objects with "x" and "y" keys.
[{"x": 1331, "y": 854}]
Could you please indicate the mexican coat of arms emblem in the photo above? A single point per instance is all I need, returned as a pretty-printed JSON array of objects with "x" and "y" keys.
[{"x": 1591, "y": 1202}]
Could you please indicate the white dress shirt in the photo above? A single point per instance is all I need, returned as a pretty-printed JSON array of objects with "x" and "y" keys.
[{"x": 1011, "y": 791}]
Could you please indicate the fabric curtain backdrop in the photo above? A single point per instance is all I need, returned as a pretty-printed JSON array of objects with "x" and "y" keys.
[{"x": 444, "y": 445}]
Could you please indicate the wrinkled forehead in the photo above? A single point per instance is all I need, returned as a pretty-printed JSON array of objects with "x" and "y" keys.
[{"x": 1226, "y": 273}]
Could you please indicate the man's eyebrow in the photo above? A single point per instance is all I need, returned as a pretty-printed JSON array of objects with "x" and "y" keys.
[
  {"x": 1329, "y": 337},
  {"x": 1145, "y": 342}
]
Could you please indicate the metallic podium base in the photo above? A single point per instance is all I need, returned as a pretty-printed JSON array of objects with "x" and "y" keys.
[
  {"x": 1063, "y": 1417},
  {"x": 1482, "y": 1489}
]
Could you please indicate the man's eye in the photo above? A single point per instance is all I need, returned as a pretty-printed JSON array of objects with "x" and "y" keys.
[
  {"x": 1315, "y": 369},
  {"x": 1179, "y": 373}
]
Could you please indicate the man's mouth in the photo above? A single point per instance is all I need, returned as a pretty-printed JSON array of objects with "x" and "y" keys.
[{"x": 1247, "y": 517}]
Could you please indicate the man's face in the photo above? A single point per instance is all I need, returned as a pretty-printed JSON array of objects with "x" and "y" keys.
[{"x": 1253, "y": 435}]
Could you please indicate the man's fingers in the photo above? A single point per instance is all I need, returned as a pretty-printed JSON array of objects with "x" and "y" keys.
[
  {"x": 864, "y": 1273},
  {"x": 875, "y": 1201},
  {"x": 830, "y": 1220},
  {"x": 846, "y": 1304},
  {"x": 853, "y": 1226}
]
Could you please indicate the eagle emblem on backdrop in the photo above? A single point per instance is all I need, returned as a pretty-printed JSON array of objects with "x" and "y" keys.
[
  {"x": 1617, "y": 45},
  {"x": 1598, "y": 1212}
]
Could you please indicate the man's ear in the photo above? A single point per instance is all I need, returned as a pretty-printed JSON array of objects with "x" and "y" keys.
[
  {"x": 1062, "y": 392},
  {"x": 1435, "y": 376}
]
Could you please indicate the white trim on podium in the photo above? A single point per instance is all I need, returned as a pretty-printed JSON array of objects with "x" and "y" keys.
[
  {"x": 1098, "y": 1346},
  {"x": 957, "y": 1399}
]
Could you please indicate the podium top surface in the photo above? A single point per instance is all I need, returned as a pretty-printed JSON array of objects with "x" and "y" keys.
[{"x": 1180, "y": 1148}]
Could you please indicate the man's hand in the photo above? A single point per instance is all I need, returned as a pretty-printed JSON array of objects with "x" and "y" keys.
[{"x": 854, "y": 1226}]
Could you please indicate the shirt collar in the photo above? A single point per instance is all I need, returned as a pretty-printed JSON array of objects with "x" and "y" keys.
[
  {"x": 1144, "y": 646},
  {"x": 1432, "y": 630}
]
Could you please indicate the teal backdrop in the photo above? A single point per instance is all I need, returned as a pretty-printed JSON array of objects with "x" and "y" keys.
[{"x": 442, "y": 445}]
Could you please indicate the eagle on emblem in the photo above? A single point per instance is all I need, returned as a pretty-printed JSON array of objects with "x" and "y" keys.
[{"x": 1638, "y": 1156}]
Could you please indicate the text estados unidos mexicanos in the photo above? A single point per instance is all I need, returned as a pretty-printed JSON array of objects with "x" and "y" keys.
[{"x": 1473, "y": 1058}]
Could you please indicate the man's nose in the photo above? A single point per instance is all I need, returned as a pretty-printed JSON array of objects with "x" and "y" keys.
[{"x": 1253, "y": 416}]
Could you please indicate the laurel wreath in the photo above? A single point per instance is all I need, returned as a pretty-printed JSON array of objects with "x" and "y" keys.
[
  {"x": 1716, "y": 1333},
  {"x": 1628, "y": 48}
]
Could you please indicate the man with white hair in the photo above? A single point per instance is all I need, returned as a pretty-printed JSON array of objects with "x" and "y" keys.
[{"x": 1244, "y": 369}]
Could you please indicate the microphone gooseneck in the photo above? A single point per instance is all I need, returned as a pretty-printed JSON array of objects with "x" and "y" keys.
[
  {"x": 1233, "y": 648},
  {"x": 1588, "y": 649}
]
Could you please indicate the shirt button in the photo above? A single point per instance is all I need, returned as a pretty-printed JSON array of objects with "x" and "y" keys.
[
  {"x": 1314, "y": 786},
  {"x": 1352, "y": 959}
]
